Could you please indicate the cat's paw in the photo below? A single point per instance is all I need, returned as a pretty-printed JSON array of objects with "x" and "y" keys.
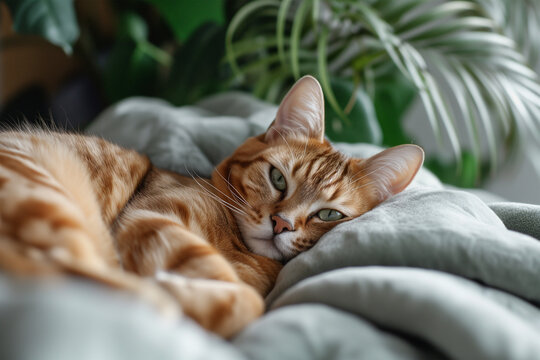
[{"x": 221, "y": 307}]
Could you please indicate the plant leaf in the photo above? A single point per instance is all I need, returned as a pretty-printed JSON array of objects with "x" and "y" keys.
[
  {"x": 52, "y": 19},
  {"x": 476, "y": 101},
  {"x": 393, "y": 94},
  {"x": 478, "y": 66},
  {"x": 196, "y": 66},
  {"x": 298, "y": 22},
  {"x": 323, "y": 75},
  {"x": 129, "y": 71},
  {"x": 237, "y": 20},
  {"x": 184, "y": 17},
  {"x": 280, "y": 28},
  {"x": 130, "y": 68},
  {"x": 363, "y": 125}
]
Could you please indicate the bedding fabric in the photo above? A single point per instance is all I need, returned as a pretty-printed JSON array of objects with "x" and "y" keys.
[{"x": 432, "y": 273}]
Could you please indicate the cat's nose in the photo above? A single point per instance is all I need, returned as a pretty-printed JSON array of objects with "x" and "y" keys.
[{"x": 280, "y": 224}]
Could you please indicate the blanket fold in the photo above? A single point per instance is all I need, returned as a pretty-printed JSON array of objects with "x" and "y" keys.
[
  {"x": 449, "y": 231},
  {"x": 453, "y": 314}
]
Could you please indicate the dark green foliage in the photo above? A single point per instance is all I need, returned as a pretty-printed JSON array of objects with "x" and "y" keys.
[
  {"x": 372, "y": 58},
  {"x": 361, "y": 123},
  {"x": 186, "y": 16},
  {"x": 456, "y": 55},
  {"x": 197, "y": 66},
  {"x": 469, "y": 174},
  {"x": 130, "y": 69},
  {"x": 393, "y": 95}
]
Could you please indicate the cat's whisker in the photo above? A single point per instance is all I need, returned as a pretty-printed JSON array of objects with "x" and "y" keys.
[
  {"x": 208, "y": 193},
  {"x": 210, "y": 184},
  {"x": 217, "y": 199},
  {"x": 221, "y": 192},
  {"x": 220, "y": 200},
  {"x": 214, "y": 196},
  {"x": 237, "y": 195},
  {"x": 233, "y": 190}
]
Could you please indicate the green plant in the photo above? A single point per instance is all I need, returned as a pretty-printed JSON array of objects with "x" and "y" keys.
[
  {"x": 469, "y": 63},
  {"x": 459, "y": 57},
  {"x": 53, "y": 19},
  {"x": 181, "y": 64}
]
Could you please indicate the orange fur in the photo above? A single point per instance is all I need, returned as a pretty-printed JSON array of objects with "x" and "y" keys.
[{"x": 80, "y": 205}]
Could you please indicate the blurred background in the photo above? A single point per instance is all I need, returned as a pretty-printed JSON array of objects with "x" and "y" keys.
[{"x": 459, "y": 78}]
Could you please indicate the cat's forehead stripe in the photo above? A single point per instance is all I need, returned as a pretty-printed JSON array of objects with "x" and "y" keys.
[
  {"x": 331, "y": 169},
  {"x": 324, "y": 171},
  {"x": 335, "y": 195}
]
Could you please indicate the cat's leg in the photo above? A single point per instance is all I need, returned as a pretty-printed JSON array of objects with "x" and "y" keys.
[
  {"x": 201, "y": 279},
  {"x": 219, "y": 306},
  {"x": 44, "y": 230}
]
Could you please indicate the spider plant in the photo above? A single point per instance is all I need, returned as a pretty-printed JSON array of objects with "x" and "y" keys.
[{"x": 469, "y": 62}]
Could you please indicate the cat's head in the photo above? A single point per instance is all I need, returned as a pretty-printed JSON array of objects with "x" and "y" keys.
[{"x": 289, "y": 186}]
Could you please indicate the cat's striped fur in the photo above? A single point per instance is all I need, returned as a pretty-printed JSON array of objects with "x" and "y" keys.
[{"x": 73, "y": 204}]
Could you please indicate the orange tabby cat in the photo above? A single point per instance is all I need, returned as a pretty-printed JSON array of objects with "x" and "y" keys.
[{"x": 80, "y": 205}]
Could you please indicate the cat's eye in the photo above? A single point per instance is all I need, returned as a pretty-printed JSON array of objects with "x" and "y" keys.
[
  {"x": 278, "y": 180},
  {"x": 329, "y": 215}
]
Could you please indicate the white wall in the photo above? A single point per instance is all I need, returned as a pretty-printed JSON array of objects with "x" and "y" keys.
[{"x": 518, "y": 180}]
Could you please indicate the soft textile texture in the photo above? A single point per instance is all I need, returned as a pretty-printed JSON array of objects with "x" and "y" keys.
[
  {"x": 431, "y": 273},
  {"x": 519, "y": 217}
]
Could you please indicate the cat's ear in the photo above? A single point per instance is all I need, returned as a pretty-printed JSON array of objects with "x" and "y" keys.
[
  {"x": 391, "y": 170},
  {"x": 301, "y": 113}
]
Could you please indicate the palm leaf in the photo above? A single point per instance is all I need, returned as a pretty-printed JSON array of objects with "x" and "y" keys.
[
  {"x": 517, "y": 19},
  {"x": 475, "y": 55}
]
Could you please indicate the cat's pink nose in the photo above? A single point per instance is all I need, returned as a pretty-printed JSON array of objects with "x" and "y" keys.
[{"x": 280, "y": 224}]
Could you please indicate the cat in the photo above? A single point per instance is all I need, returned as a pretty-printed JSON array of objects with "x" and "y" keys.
[{"x": 211, "y": 248}]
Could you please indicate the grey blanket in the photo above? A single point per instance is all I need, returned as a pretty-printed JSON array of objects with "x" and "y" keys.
[{"x": 432, "y": 273}]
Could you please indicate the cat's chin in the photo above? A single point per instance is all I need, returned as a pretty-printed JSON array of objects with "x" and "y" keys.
[
  {"x": 270, "y": 248},
  {"x": 265, "y": 247},
  {"x": 261, "y": 240}
]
